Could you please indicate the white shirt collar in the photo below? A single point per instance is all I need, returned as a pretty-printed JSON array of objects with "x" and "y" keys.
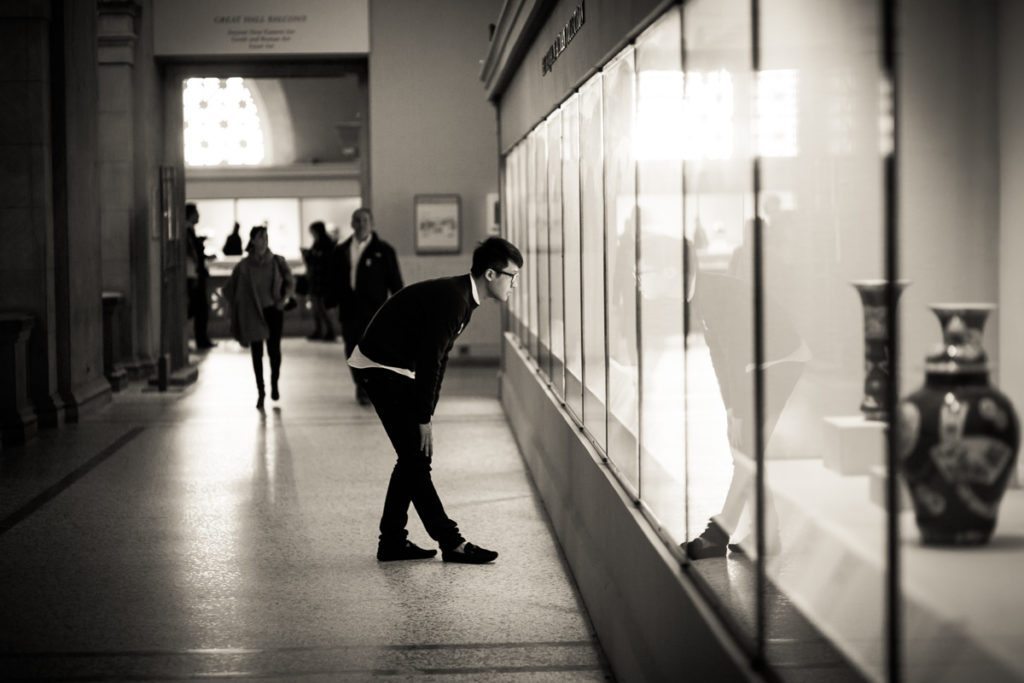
[{"x": 476, "y": 294}]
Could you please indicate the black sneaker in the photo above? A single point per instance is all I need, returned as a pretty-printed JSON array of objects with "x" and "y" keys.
[
  {"x": 409, "y": 551},
  {"x": 713, "y": 542},
  {"x": 470, "y": 554}
]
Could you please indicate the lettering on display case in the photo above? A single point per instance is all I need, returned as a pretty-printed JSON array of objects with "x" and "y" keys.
[{"x": 562, "y": 39}]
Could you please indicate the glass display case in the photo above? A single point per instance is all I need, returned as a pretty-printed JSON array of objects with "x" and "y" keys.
[{"x": 771, "y": 278}]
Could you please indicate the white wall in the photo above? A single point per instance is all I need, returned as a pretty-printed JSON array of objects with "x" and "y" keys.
[
  {"x": 948, "y": 173},
  {"x": 433, "y": 131},
  {"x": 1011, "y": 201}
]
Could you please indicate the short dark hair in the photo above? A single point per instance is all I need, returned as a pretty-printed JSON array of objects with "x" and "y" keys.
[
  {"x": 318, "y": 227},
  {"x": 360, "y": 210},
  {"x": 191, "y": 210},
  {"x": 494, "y": 253}
]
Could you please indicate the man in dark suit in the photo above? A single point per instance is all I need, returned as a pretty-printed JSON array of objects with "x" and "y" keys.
[
  {"x": 365, "y": 273},
  {"x": 401, "y": 361}
]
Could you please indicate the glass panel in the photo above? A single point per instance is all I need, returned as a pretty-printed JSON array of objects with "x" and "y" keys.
[
  {"x": 539, "y": 184},
  {"x": 961, "y": 223},
  {"x": 508, "y": 204},
  {"x": 555, "y": 250},
  {"x": 571, "y": 225},
  {"x": 822, "y": 229},
  {"x": 657, "y": 145},
  {"x": 620, "y": 214},
  {"x": 592, "y": 247},
  {"x": 523, "y": 288},
  {"x": 719, "y": 356},
  {"x": 532, "y": 272}
]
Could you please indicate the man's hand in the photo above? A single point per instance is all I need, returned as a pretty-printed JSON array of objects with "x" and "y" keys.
[{"x": 426, "y": 440}]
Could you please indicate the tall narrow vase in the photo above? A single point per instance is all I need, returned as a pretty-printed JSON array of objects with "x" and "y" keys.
[
  {"x": 958, "y": 435},
  {"x": 875, "y": 404}
]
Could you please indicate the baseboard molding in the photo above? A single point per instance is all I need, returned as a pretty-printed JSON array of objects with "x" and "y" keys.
[{"x": 86, "y": 397}]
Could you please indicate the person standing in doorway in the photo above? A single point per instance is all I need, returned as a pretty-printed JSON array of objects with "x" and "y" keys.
[
  {"x": 233, "y": 243},
  {"x": 318, "y": 266},
  {"x": 197, "y": 276},
  {"x": 260, "y": 286},
  {"x": 400, "y": 362},
  {"x": 365, "y": 273}
]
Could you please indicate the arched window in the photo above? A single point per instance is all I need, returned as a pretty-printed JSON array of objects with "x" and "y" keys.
[{"x": 222, "y": 123}]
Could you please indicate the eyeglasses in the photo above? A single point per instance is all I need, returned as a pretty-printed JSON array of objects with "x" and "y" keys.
[{"x": 514, "y": 276}]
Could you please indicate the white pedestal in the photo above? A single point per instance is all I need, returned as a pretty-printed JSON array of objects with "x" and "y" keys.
[
  {"x": 876, "y": 485},
  {"x": 853, "y": 445}
]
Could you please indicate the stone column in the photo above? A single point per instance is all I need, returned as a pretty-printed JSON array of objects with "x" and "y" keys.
[
  {"x": 17, "y": 420},
  {"x": 77, "y": 254},
  {"x": 126, "y": 234},
  {"x": 26, "y": 193},
  {"x": 113, "y": 369}
]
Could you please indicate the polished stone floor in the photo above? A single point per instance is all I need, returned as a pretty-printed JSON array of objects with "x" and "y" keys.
[{"x": 186, "y": 536}]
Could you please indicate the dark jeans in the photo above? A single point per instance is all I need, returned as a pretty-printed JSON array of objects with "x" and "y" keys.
[
  {"x": 275, "y": 321},
  {"x": 392, "y": 397},
  {"x": 199, "y": 309},
  {"x": 323, "y": 327}
]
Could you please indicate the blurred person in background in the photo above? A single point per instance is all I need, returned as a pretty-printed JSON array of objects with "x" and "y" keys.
[
  {"x": 260, "y": 287},
  {"x": 365, "y": 272},
  {"x": 318, "y": 264}
]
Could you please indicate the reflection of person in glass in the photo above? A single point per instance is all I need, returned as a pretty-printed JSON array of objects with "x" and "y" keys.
[
  {"x": 725, "y": 303},
  {"x": 258, "y": 289}
]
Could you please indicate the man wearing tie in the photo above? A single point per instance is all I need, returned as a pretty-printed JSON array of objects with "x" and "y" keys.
[{"x": 400, "y": 361}]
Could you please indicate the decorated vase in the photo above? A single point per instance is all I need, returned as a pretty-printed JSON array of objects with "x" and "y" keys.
[
  {"x": 958, "y": 435},
  {"x": 875, "y": 403}
]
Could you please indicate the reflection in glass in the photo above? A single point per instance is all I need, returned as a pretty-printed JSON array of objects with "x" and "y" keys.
[
  {"x": 532, "y": 280},
  {"x": 508, "y": 204},
  {"x": 822, "y": 227},
  {"x": 777, "y": 116},
  {"x": 719, "y": 376},
  {"x": 660, "y": 212},
  {"x": 571, "y": 227},
  {"x": 539, "y": 187},
  {"x": 593, "y": 249},
  {"x": 554, "y": 146},
  {"x": 708, "y": 114},
  {"x": 621, "y": 283},
  {"x": 523, "y": 288}
]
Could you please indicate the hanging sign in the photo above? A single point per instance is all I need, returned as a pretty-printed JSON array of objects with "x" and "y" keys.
[{"x": 261, "y": 27}]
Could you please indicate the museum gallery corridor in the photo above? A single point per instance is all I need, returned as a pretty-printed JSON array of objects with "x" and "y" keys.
[{"x": 184, "y": 535}]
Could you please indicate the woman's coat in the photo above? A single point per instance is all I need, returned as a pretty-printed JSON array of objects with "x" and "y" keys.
[{"x": 247, "y": 322}]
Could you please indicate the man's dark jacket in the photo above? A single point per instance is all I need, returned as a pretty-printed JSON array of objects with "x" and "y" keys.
[
  {"x": 377, "y": 278},
  {"x": 416, "y": 329}
]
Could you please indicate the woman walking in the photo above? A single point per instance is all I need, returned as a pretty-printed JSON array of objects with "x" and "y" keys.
[{"x": 260, "y": 287}]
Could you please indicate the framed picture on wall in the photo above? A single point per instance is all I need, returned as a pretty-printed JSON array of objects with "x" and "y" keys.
[{"x": 438, "y": 223}]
